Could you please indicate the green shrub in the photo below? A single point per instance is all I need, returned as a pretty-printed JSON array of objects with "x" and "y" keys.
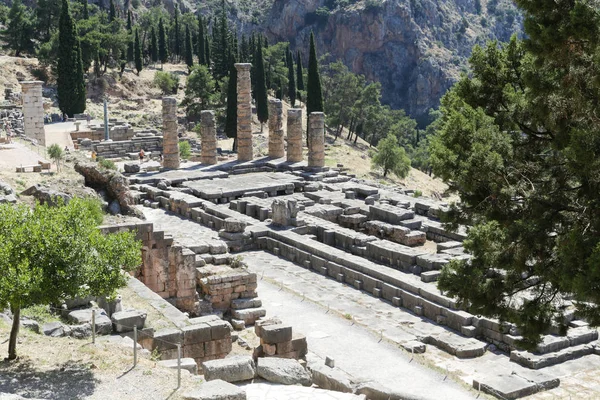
[
  {"x": 166, "y": 81},
  {"x": 108, "y": 164},
  {"x": 417, "y": 193},
  {"x": 185, "y": 150}
]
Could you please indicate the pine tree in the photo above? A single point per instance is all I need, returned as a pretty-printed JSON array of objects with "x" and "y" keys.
[
  {"x": 84, "y": 7},
  {"x": 112, "y": 13},
  {"x": 19, "y": 32},
  {"x": 154, "y": 46},
  {"x": 139, "y": 64},
  {"x": 201, "y": 43},
  {"x": 262, "y": 107},
  {"x": 70, "y": 81},
  {"x": 163, "y": 51},
  {"x": 189, "y": 50},
  {"x": 291, "y": 79},
  {"x": 176, "y": 39},
  {"x": 314, "y": 92},
  {"x": 231, "y": 115}
]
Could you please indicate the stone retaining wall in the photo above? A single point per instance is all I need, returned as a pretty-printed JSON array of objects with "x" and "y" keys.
[{"x": 123, "y": 148}]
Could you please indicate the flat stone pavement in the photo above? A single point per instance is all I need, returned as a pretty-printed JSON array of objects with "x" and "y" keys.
[
  {"x": 265, "y": 391},
  {"x": 355, "y": 349},
  {"x": 20, "y": 153}
]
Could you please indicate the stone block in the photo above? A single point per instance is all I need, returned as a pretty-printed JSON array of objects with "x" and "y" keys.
[
  {"x": 414, "y": 347},
  {"x": 283, "y": 371},
  {"x": 124, "y": 321},
  {"x": 219, "y": 329},
  {"x": 234, "y": 369},
  {"x": 187, "y": 364},
  {"x": 276, "y": 333},
  {"x": 331, "y": 378},
  {"x": 167, "y": 339},
  {"x": 197, "y": 333},
  {"x": 215, "y": 390}
]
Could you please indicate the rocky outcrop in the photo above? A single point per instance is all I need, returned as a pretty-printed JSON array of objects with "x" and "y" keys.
[
  {"x": 113, "y": 182},
  {"x": 415, "y": 48},
  {"x": 46, "y": 195}
]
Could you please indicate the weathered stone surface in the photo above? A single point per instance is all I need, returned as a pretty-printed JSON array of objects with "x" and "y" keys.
[
  {"x": 316, "y": 140},
  {"x": 283, "y": 370},
  {"x": 30, "y": 324},
  {"x": 294, "y": 135},
  {"x": 170, "y": 138},
  {"x": 103, "y": 323},
  {"x": 46, "y": 195},
  {"x": 33, "y": 111},
  {"x": 276, "y": 333},
  {"x": 124, "y": 321},
  {"x": 514, "y": 386},
  {"x": 284, "y": 212},
  {"x": 186, "y": 363},
  {"x": 331, "y": 378},
  {"x": 376, "y": 391},
  {"x": 132, "y": 168},
  {"x": 456, "y": 345},
  {"x": 234, "y": 369},
  {"x": 56, "y": 329},
  {"x": 276, "y": 142},
  {"x": 215, "y": 390},
  {"x": 209, "y": 137},
  {"x": 244, "y": 112}
]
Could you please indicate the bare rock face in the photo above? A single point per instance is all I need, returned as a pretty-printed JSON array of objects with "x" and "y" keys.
[
  {"x": 46, "y": 195},
  {"x": 115, "y": 184},
  {"x": 415, "y": 48}
]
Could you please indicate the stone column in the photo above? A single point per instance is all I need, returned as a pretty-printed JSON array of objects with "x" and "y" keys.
[
  {"x": 170, "y": 139},
  {"x": 276, "y": 143},
  {"x": 294, "y": 135},
  {"x": 209, "y": 137},
  {"x": 244, "y": 112},
  {"x": 33, "y": 111},
  {"x": 316, "y": 140}
]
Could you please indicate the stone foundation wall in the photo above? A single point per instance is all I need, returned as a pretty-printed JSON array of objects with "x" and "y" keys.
[
  {"x": 167, "y": 269},
  {"x": 222, "y": 289},
  {"x": 121, "y": 149}
]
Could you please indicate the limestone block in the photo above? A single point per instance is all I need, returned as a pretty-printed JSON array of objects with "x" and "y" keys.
[
  {"x": 124, "y": 321},
  {"x": 234, "y": 369},
  {"x": 283, "y": 371},
  {"x": 186, "y": 363},
  {"x": 276, "y": 333},
  {"x": 331, "y": 378}
]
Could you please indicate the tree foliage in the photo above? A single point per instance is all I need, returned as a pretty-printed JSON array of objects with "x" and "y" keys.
[
  {"x": 260, "y": 87},
  {"x": 70, "y": 81},
  {"x": 49, "y": 254},
  {"x": 391, "y": 157},
  {"x": 231, "y": 111},
  {"x": 200, "y": 90},
  {"x": 314, "y": 92},
  {"x": 56, "y": 153},
  {"x": 137, "y": 49},
  {"x": 19, "y": 32},
  {"x": 519, "y": 142}
]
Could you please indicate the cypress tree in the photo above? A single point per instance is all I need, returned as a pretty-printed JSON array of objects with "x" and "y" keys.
[
  {"x": 314, "y": 92},
  {"x": 112, "y": 13},
  {"x": 262, "y": 108},
  {"x": 207, "y": 54},
  {"x": 154, "y": 46},
  {"x": 139, "y": 65},
  {"x": 231, "y": 118},
  {"x": 244, "y": 50},
  {"x": 70, "y": 81},
  {"x": 291, "y": 79},
  {"x": 299, "y": 75},
  {"x": 84, "y": 6},
  {"x": 189, "y": 50},
  {"x": 163, "y": 51},
  {"x": 130, "y": 33},
  {"x": 201, "y": 43},
  {"x": 176, "y": 42},
  {"x": 279, "y": 92}
]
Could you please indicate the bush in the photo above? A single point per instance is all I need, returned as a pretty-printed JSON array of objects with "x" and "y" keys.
[
  {"x": 166, "y": 81},
  {"x": 185, "y": 150},
  {"x": 108, "y": 164}
]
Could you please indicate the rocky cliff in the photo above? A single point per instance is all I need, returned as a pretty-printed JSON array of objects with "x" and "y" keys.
[{"x": 416, "y": 48}]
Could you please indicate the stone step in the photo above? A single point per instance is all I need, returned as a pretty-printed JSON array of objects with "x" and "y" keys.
[
  {"x": 537, "y": 361},
  {"x": 246, "y": 303},
  {"x": 249, "y": 315},
  {"x": 457, "y": 345},
  {"x": 515, "y": 385}
]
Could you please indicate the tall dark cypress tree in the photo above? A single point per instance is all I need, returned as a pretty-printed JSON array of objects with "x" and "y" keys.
[
  {"x": 189, "y": 50},
  {"x": 84, "y": 7},
  {"x": 139, "y": 64},
  {"x": 231, "y": 116},
  {"x": 207, "y": 53},
  {"x": 154, "y": 46},
  {"x": 176, "y": 39},
  {"x": 244, "y": 50},
  {"x": 201, "y": 43},
  {"x": 112, "y": 12},
  {"x": 262, "y": 108},
  {"x": 299, "y": 75},
  {"x": 291, "y": 79},
  {"x": 130, "y": 54},
  {"x": 314, "y": 92},
  {"x": 163, "y": 50},
  {"x": 70, "y": 81}
]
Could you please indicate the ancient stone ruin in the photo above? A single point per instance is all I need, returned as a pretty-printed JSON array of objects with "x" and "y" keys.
[
  {"x": 170, "y": 138},
  {"x": 33, "y": 111},
  {"x": 244, "y": 113}
]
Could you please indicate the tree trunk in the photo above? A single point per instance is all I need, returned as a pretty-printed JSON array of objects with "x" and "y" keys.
[
  {"x": 385, "y": 171},
  {"x": 12, "y": 343},
  {"x": 235, "y": 144}
]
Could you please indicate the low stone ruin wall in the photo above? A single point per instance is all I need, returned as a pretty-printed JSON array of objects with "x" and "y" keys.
[
  {"x": 167, "y": 269},
  {"x": 123, "y": 148}
]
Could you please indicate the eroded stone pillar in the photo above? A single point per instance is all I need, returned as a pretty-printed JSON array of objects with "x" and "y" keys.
[
  {"x": 170, "y": 139},
  {"x": 276, "y": 140},
  {"x": 244, "y": 112},
  {"x": 316, "y": 140},
  {"x": 294, "y": 135},
  {"x": 33, "y": 111},
  {"x": 209, "y": 137}
]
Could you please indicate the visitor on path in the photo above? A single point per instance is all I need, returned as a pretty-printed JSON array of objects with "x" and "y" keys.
[
  {"x": 89, "y": 119},
  {"x": 142, "y": 155},
  {"x": 94, "y": 155}
]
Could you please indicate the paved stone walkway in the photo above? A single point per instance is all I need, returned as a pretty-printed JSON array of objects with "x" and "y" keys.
[{"x": 265, "y": 391}]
